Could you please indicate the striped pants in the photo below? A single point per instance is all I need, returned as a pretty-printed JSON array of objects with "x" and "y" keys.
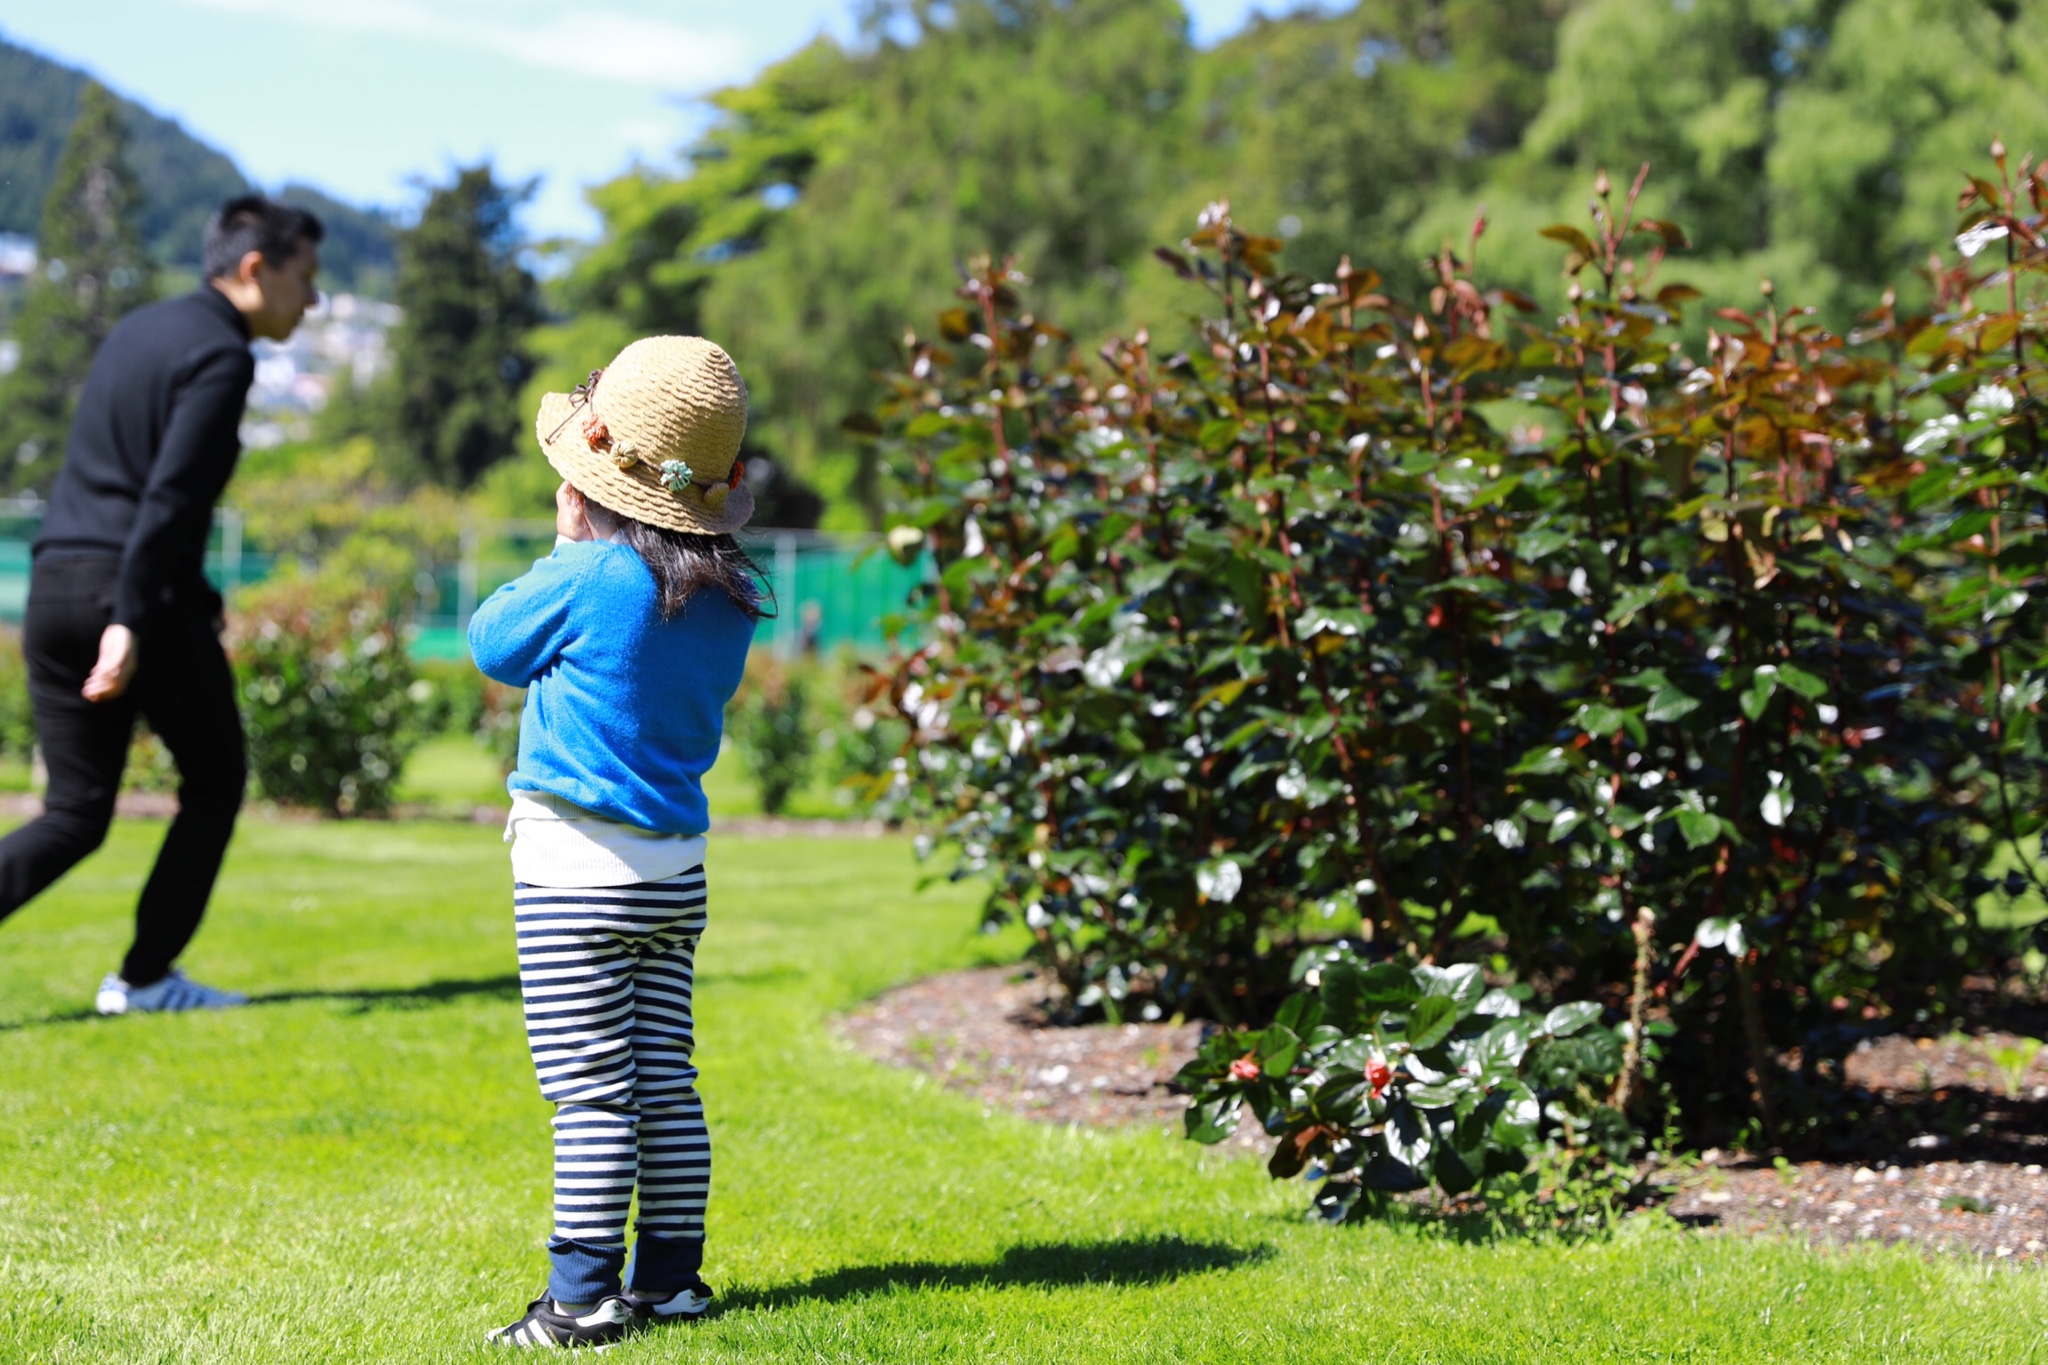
[{"x": 605, "y": 973}]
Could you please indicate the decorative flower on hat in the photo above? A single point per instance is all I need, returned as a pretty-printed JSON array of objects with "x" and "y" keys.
[{"x": 676, "y": 476}]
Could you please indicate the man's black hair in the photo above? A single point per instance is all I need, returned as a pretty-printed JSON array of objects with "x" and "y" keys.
[{"x": 251, "y": 222}]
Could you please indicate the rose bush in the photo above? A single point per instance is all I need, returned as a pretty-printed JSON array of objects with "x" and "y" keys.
[
  {"x": 1394, "y": 1077},
  {"x": 326, "y": 692},
  {"x": 1695, "y": 670}
]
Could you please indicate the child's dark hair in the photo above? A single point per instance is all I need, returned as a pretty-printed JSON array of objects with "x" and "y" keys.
[{"x": 684, "y": 565}]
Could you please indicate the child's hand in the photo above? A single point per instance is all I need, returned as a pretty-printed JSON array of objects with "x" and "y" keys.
[{"x": 572, "y": 516}]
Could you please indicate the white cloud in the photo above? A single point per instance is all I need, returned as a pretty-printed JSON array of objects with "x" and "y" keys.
[
  {"x": 606, "y": 44},
  {"x": 614, "y": 46}
]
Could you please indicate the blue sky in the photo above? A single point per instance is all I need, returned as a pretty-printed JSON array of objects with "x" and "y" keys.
[{"x": 363, "y": 97}]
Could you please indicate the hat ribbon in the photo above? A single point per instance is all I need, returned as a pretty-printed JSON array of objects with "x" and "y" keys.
[{"x": 579, "y": 398}]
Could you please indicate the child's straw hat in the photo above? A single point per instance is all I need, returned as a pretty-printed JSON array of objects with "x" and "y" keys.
[{"x": 655, "y": 436}]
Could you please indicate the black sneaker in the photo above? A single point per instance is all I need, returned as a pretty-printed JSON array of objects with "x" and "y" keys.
[
  {"x": 545, "y": 1326},
  {"x": 687, "y": 1304}
]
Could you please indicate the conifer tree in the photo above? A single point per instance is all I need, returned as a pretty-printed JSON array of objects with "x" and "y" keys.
[
  {"x": 93, "y": 270},
  {"x": 449, "y": 407}
]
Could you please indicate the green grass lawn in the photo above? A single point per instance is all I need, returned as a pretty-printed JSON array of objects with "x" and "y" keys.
[{"x": 355, "y": 1168}]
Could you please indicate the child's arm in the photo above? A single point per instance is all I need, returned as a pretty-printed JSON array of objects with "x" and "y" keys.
[{"x": 517, "y": 632}]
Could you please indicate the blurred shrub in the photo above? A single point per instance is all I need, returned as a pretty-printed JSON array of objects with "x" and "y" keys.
[
  {"x": 450, "y": 697},
  {"x": 497, "y": 721},
  {"x": 326, "y": 691},
  {"x": 772, "y": 723},
  {"x": 864, "y": 747},
  {"x": 17, "y": 718},
  {"x": 1489, "y": 633},
  {"x": 150, "y": 767}
]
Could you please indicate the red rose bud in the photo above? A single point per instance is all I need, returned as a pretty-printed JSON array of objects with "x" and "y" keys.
[
  {"x": 1245, "y": 1068},
  {"x": 1379, "y": 1075}
]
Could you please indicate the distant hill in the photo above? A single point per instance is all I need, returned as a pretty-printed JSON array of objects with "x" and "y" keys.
[{"x": 183, "y": 179}]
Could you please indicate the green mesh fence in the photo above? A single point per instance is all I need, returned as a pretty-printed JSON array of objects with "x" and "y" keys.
[{"x": 831, "y": 591}]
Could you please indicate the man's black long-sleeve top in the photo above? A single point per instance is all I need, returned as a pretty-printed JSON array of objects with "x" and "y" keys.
[{"x": 151, "y": 451}]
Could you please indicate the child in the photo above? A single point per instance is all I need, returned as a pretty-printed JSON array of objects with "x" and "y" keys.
[{"x": 630, "y": 638}]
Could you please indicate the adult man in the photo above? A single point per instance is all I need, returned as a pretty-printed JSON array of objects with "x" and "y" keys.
[{"x": 121, "y": 620}]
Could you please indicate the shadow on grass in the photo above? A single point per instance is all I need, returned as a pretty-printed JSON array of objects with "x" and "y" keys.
[
  {"x": 1046, "y": 1265},
  {"x": 505, "y": 987},
  {"x": 368, "y": 998},
  {"x": 38, "y": 1021}
]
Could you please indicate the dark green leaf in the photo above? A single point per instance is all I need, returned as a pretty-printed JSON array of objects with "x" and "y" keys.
[
  {"x": 1802, "y": 682},
  {"x": 1699, "y": 827},
  {"x": 1431, "y": 1021},
  {"x": 1668, "y": 704},
  {"x": 1408, "y": 1137},
  {"x": 1388, "y": 986},
  {"x": 1599, "y": 1052},
  {"x": 1566, "y": 1020},
  {"x": 1212, "y": 1121},
  {"x": 1461, "y": 984}
]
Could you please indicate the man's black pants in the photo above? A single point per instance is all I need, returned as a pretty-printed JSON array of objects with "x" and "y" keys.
[{"x": 186, "y": 691}]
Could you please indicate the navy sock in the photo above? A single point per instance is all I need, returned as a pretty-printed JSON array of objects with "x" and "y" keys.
[{"x": 664, "y": 1266}]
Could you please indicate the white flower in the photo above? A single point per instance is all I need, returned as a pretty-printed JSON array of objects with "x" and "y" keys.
[
  {"x": 1508, "y": 833},
  {"x": 1979, "y": 237},
  {"x": 1934, "y": 434},
  {"x": 1220, "y": 881},
  {"x": 1777, "y": 802},
  {"x": 1990, "y": 401},
  {"x": 1103, "y": 667},
  {"x": 1095, "y": 440}
]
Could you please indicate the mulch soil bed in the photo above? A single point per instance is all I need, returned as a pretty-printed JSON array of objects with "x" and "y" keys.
[
  {"x": 1946, "y": 1161},
  {"x": 987, "y": 1032}
]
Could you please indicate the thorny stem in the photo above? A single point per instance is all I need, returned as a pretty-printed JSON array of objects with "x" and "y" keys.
[
  {"x": 1752, "y": 1013},
  {"x": 1644, "y": 927}
]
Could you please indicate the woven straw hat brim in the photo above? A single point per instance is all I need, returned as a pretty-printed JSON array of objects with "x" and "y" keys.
[{"x": 637, "y": 493}]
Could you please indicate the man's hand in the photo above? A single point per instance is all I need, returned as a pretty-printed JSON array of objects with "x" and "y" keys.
[{"x": 116, "y": 667}]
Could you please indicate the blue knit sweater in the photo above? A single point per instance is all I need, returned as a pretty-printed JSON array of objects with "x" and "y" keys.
[{"x": 623, "y": 710}]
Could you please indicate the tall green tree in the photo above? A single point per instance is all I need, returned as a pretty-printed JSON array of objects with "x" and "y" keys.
[
  {"x": 834, "y": 191},
  {"x": 1811, "y": 142},
  {"x": 449, "y": 407},
  {"x": 1043, "y": 129},
  {"x": 1333, "y": 131},
  {"x": 1899, "y": 94},
  {"x": 93, "y": 270}
]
